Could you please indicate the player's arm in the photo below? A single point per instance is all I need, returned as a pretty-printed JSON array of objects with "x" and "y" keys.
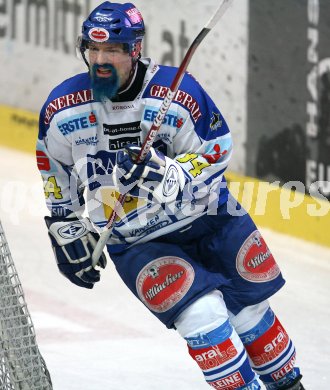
[
  {"x": 200, "y": 155},
  {"x": 72, "y": 236},
  {"x": 203, "y": 151}
]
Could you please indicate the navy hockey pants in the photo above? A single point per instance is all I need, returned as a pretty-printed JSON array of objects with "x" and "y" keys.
[{"x": 223, "y": 251}]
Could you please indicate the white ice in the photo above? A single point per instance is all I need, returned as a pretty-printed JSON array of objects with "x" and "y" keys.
[{"x": 105, "y": 338}]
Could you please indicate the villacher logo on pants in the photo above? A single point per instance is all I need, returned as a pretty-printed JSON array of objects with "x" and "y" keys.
[{"x": 163, "y": 282}]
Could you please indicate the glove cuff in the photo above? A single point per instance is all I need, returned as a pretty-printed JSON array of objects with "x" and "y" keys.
[{"x": 66, "y": 231}]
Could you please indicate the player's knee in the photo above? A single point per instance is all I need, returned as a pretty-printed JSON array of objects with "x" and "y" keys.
[
  {"x": 214, "y": 344},
  {"x": 249, "y": 317},
  {"x": 205, "y": 314},
  {"x": 272, "y": 353}
]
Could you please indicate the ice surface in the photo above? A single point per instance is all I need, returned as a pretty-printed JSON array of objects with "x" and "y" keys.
[{"x": 106, "y": 339}]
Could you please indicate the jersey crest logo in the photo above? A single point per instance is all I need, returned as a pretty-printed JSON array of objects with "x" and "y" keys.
[
  {"x": 171, "y": 182},
  {"x": 216, "y": 122}
]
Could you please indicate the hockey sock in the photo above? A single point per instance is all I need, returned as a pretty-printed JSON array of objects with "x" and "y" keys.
[
  {"x": 221, "y": 356},
  {"x": 271, "y": 352}
]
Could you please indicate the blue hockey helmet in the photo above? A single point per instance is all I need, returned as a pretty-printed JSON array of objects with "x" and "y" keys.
[{"x": 113, "y": 23}]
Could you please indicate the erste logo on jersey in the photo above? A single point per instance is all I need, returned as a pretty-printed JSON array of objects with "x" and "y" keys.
[
  {"x": 170, "y": 119},
  {"x": 163, "y": 282},
  {"x": 122, "y": 134},
  {"x": 81, "y": 121},
  {"x": 254, "y": 261},
  {"x": 180, "y": 97},
  {"x": 65, "y": 101}
]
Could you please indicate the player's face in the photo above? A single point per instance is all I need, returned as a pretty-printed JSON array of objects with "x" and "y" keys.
[{"x": 103, "y": 54}]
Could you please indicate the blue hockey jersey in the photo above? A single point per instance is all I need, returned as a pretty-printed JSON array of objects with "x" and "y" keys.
[{"x": 79, "y": 139}]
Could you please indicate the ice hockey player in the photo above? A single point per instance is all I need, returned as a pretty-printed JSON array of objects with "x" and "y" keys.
[{"x": 182, "y": 244}]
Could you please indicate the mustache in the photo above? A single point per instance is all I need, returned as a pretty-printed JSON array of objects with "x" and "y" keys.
[{"x": 96, "y": 67}]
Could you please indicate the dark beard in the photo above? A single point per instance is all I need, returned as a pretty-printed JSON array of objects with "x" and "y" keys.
[{"x": 104, "y": 88}]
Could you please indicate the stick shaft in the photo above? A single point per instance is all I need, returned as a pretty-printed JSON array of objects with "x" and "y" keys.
[{"x": 152, "y": 133}]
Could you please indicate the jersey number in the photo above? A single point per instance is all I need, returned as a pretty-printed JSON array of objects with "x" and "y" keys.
[
  {"x": 51, "y": 188},
  {"x": 198, "y": 166}
]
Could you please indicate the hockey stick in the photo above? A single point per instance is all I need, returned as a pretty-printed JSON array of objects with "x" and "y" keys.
[{"x": 152, "y": 133}]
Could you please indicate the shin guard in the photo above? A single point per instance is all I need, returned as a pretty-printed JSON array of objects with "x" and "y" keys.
[
  {"x": 221, "y": 356},
  {"x": 271, "y": 352}
]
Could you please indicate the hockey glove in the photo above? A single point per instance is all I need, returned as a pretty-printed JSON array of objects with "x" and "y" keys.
[
  {"x": 73, "y": 242},
  {"x": 156, "y": 177}
]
